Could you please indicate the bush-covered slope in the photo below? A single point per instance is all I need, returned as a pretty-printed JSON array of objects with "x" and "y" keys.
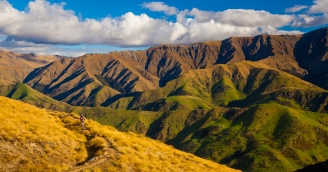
[{"x": 33, "y": 139}]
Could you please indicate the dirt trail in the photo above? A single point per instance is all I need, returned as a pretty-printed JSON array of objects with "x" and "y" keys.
[
  {"x": 109, "y": 154},
  {"x": 88, "y": 165}
]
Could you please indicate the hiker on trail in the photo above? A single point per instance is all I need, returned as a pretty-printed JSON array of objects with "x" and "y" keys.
[{"x": 82, "y": 118}]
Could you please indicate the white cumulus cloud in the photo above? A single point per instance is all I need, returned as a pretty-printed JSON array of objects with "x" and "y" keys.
[
  {"x": 161, "y": 6},
  {"x": 319, "y": 6},
  {"x": 243, "y": 17},
  {"x": 47, "y": 24},
  {"x": 309, "y": 21},
  {"x": 296, "y": 8},
  {"x": 317, "y": 15}
]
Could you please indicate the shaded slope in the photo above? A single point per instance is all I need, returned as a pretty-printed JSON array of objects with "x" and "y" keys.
[
  {"x": 312, "y": 54},
  {"x": 319, "y": 167},
  {"x": 28, "y": 144},
  {"x": 77, "y": 80}
]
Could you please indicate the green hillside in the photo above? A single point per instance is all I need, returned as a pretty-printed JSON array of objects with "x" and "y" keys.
[
  {"x": 266, "y": 137},
  {"x": 25, "y": 93},
  {"x": 235, "y": 85}
]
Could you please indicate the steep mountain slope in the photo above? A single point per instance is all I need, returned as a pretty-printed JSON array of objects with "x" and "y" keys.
[
  {"x": 240, "y": 84},
  {"x": 14, "y": 67},
  {"x": 264, "y": 137},
  {"x": 34, "y": 139},
  {"x": 312, "y": 54},
  {"x": 87, "y": 80},
  {"x": 91, "y": 77}
]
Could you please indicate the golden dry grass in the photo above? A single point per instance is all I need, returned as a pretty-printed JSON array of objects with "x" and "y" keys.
[{"x": 33, "y": 139}]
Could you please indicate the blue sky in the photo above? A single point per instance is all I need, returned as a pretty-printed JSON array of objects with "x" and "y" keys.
[{"x": 73, "y": 28}]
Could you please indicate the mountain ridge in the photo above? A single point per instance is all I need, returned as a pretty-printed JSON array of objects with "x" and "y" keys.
[
  {"x": 137, "y": 71},
  {"x": 15, "y": 67}
]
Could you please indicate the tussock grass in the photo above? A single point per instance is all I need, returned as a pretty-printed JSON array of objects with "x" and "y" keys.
[{"x": 33, "y": 139}]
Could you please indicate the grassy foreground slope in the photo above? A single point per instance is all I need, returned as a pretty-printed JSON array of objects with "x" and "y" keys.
[{"x": 33, "y": 139}]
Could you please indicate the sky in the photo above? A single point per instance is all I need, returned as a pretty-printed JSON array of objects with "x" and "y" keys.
[{"x": 73, "y": 28}]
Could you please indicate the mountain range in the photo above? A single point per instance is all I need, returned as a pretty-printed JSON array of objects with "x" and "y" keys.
[
  {"x": 93, "y": 78},
  {"x": 253, "y": 103}
]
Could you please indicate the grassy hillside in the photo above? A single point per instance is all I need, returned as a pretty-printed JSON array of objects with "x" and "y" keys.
[
  {"x": 235, "y": 85},
  {"x": 34, "y": 139},
  {"x": 27, "y": 94},
  {"x": 266, "y": 137}
]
